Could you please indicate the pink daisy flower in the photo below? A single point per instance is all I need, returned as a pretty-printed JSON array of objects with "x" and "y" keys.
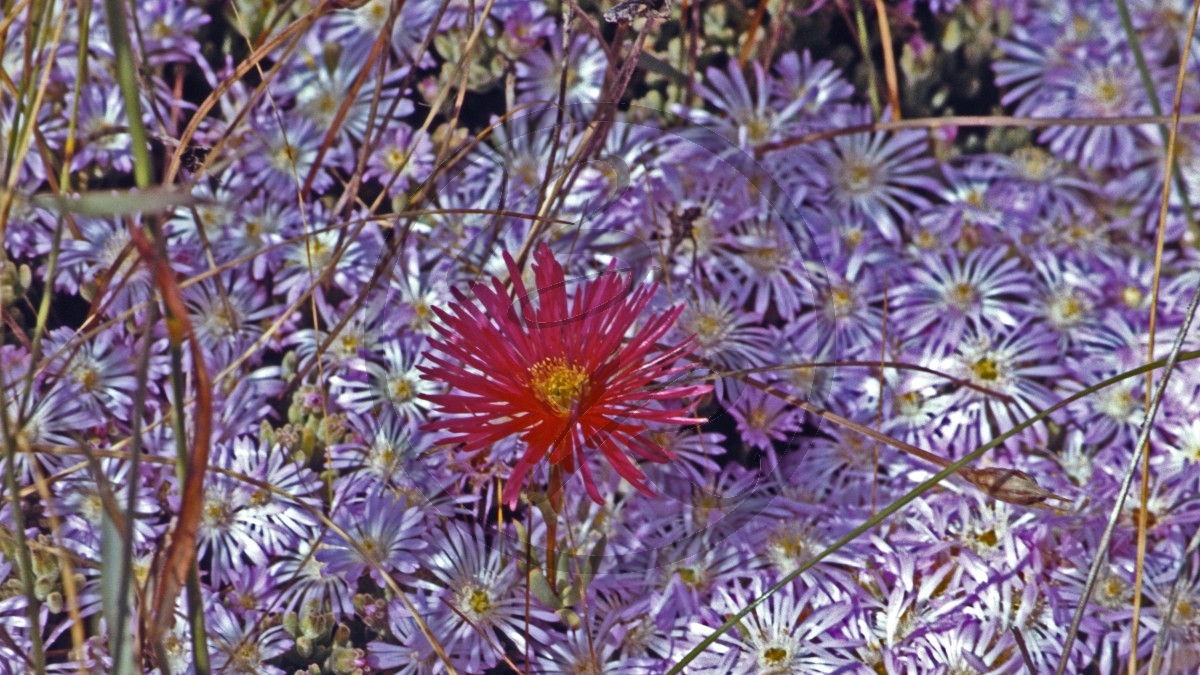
[{"x": 559, "y": 373}]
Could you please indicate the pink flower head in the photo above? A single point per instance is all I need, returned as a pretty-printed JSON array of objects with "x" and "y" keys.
[{"x": 559, "y": 373}]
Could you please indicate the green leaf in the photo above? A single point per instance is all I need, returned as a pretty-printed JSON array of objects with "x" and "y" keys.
[
  {"x": 562, "y": 572},
  {"x": 541, "y": 589},
  {"x": 571, "y": 617},
  {"x": 116, "y": 202},
  {"x": 570, "y": 596}
]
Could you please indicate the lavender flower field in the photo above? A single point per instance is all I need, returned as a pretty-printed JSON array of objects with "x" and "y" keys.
[{"x": 648, "y": 337}]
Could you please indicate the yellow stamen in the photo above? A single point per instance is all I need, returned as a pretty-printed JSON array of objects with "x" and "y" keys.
[
  {"x": 557, "y": 383},
  {"x": 986, "y": 369}
]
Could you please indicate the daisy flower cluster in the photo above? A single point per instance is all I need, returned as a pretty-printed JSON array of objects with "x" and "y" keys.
[{"x": 547, "y": 337}]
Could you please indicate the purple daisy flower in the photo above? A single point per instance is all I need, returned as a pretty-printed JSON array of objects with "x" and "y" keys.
[
  {"x": 227, "y": 312},
  {"x": 539, "y": 74},
  {"x": 259, "y": 227},
  {"x": 764, "y": 267},
  {"x": 1037, "y": 54},
  {"x": 104, "y": 251},
  {"x": 304, "y": 580},
  {"x": 243, "y": 647},
  {"x": 694, "y": 453},
  {"x": 242, "y": 523},
  {"x": 684, "y": 575},
  {"x": 745, "y": 118},
  {"x": 1112, "y": 415},
  {"x": 103, "y": 369},
  {"x": 254, "y": 593},
  {"x": 1034, "y": 183},
  {"x": 788, "y": 633},
  {"x": 946, "y": 295},
  {"x": 914, "y": 400},
  {"x": 384, "y": 533},
  {"x": 361, "y": 335},
  {"x": 1098, "y": 88},
  {"x": 102, "y": 131},
  {"x": 383, "y": 453},
  {"x": 30, "y": 170},
  {"x": 326, "y": 244},
  {"x": 394, "y": 386},
  {"x": 819, "y": 87},
  {"x": 1068, "y": 298},
  {"x": 1179, "y": 594},
  {"x": 321, "y": 86},
  {"x": 847, "y": 320},
  {"x": 281, "y": 157},
  {"x": 387, "y": 163},
  {"x": 726, "y": 335},
  {"x": 46, "y": 416},
  {"x": 169, "y": 32},
  {"x": 879, "y": 177},
  {"x": 577, "y": 651},
  {"x": 693, "y": 211},
  {"x": 764, "y": 419},
  {"x": 78, "y": 504},
  {"x": 1017, "y": 363},
  {"x": 478, "y": 598},
  {"x": 364, "y": 22},
  {"x": 967, "y": 646},
  {"x": 968, "y": 198}
]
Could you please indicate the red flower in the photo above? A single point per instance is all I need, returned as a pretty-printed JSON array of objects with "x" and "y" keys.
[{"x": 562, "y": 375}]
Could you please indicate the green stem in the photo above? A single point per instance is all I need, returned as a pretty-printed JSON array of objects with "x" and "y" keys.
[
  {"x": 127, "y": 79},
  {"x": 864, "y": 43}
]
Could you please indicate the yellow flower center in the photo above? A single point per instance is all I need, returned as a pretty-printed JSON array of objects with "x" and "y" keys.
[
  {"x": 88, "y": 378},
  {"x": 254, "y": 228},
  {"x": 371, "y": 549},
  {"x": 765, "y": 260},
  {"x": 260, "y": 498},
  {"x": 557, "y": 383},
  {"x": 989, "y": 538},
  {"x": 403, "y": 390},
  {"x": 758, "y": 130},
  {"x": 986, "y": 369},
  {"x": 284, "y": 158},
  {"x": 1067, "y": 310},
  {"x": 774, "y": 656},
  {"x": 925, "y": 240},
  {"x": 1132, "y": 296},
  {"x": 1108, "y": 91},
  {"x": 479, "y": 602},
  {"x": 841, "y": 302},
  {"x": 709, "y": 327},
  {"x": 910, "y": 403},
  {"x": 689, "y": 576},
  {"x": 394, "y": 159},
  {"x": 858, "y": 177},
  {"x": 218, "y": 515},
  {"x": 962, "y": 296},
  {"x": 853, "y": 237}
]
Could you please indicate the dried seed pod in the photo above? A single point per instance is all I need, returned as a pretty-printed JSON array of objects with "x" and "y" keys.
[{"x": 1009, "y": 485}]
